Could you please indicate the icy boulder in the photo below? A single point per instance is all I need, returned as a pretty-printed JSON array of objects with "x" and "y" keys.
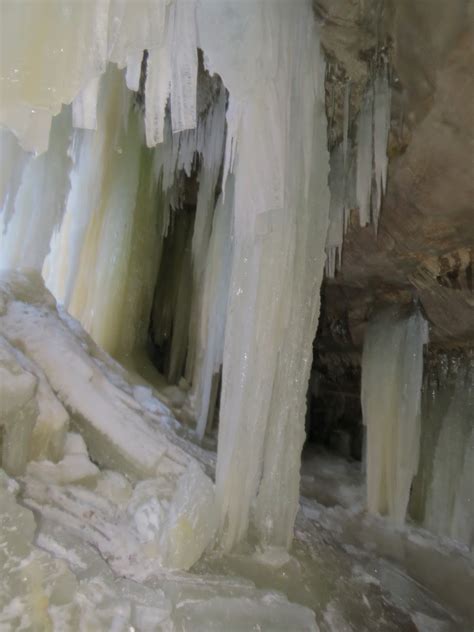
[
  {"x": 153, "y": 505},
  {"x": 35, "y": 422},
  {"x": 78, "y": 592}
]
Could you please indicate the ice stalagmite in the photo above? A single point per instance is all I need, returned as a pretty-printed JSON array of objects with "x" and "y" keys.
[
  {"x": 392, "y": 373},
  {"x": 359, "y": 181}
]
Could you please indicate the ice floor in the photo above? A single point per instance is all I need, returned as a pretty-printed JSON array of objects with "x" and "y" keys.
[{"x": 107, "y": 518}]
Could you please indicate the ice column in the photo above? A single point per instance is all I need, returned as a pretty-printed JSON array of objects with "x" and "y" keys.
[
  {"x": 444, "y": 483},
  {"x": 268, "y": 56},
  {"x": 392, "y": 373}
]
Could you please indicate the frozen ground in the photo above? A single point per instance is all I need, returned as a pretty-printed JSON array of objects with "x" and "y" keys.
[{"x": 107, "y": 513}]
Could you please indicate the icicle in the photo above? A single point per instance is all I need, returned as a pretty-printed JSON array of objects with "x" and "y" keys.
[
  {"x": 381, "y": 130},
  {"x": 365, "y": 158},
  {"x": 345, "y": 132},
  {"x": 210, "y": 342},
  {"x": 335, "y": 236},
  {"x": 392, "y": 372}
]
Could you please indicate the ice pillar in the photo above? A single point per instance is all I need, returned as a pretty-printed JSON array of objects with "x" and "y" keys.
[{"x": 392, "y": 373}]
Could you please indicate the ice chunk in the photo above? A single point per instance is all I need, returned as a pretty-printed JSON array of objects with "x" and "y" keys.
[
  {"x": 74, "y": 467},
  {"x": 114, "y": 486},
  {"x": 192, "y": 519},
  {"x": 335, "y": 236}
]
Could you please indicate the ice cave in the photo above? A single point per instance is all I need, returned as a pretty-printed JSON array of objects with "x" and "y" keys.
[{"x": 236, "y": 315}]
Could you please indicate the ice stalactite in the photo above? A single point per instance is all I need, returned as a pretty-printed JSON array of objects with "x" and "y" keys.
[
  {"x": 381, "y": 131},
  {"x": 210, "y": 336},
  {"x": 337, "y": 211},
  {"x": 392, "y": 373},
  {"x": 359, "y": 180},
  {"x": 373, "y": 126},
  {"x": 443, "y": 487},
  {"x": 365, "y": 157}
]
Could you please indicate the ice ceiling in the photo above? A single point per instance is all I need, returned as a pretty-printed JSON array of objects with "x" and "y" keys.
[{"x": 108, "y": 115}]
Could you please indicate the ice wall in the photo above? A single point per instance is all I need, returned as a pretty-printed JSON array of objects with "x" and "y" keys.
[
  {"x": 392, "y": 373},
  {"x": 251, "y": 284}
]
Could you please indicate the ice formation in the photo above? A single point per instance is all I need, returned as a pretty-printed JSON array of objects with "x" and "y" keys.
[
  {"x": 358, "y": 177},
  {"x": 118, "y": 199},
  {"x": 442, "y": 490},
  {"x": 392, "y": 374},
  {"x": 372, "y": 137}
]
